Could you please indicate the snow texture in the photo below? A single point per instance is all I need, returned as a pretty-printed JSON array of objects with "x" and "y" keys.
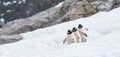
[
  {"x": 60, "y": 4},
  {"x": 102, "y": 41},
  {"x": 12, "y": 2},
  {"x": 7, "y": 3},
  {"x": 2, "y": 21}
]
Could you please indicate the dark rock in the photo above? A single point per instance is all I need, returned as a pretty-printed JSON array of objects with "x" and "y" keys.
[
  {"x": 9, "y": 38},
  {"x": 16, "y": 9},
  {"x": 24, "y": 25}
]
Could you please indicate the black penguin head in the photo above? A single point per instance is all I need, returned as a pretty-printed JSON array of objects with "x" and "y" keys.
[
  {"x": 74, "y": 29},
  {"x": 80, "y": 26},
  {"x": 69, "y": 32}
]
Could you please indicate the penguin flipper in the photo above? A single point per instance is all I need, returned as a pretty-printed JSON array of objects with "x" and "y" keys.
[{"x": 64, "y": 40}]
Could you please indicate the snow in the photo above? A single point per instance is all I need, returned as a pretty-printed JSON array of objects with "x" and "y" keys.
[
  {"x": 102, "y": 41},
  {"x": 14, "y": 2},
  {"x": 9, "y": 10},
  {"x": 2, "y": 14},
  {"x": 60, "y": 4},
  {"x": 24, "y": 1},
  {"x": 2, "y": 21},
  {"x": 7, "y": 3}
]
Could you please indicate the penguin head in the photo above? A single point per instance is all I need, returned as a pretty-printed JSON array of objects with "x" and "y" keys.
[
  {"x": 74, "y": 29},
  {"x": 69, "y": 32},
  {"x": 80, "y": 26}
]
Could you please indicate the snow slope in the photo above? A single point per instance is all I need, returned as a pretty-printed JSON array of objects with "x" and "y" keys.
[{"x": 102, "y": 41}]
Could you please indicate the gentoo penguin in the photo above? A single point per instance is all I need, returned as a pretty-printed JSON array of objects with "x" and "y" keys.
[
  {"x": 70, "y": 38},
  {"x": 77, "y": 35},
  {"x": 82, "y": 33},
  {"x": 81, "y": 29},
  {"x": 85, "y": 29}
]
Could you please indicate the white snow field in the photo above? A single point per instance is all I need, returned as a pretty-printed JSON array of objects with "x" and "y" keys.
[{"x": 103, "y": 39}]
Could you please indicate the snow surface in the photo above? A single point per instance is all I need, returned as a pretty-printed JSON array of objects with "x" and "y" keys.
[
  {"x": 60, "y": 4},
  {"x": 2, "y": 21},
  {"x": 102, "y": 41},
  {"x": 7, "y": 3},
  {"x": 14, "y": 1}
]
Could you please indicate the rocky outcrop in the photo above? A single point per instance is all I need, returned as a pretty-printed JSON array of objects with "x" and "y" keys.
[
  {"x": 105, "y": 5},
  {"x": 70, "y": 10},
  {"x": 24, "y": 25},
  {"x": 79, "y": 9},
  {"x": 74, "y": 9},
  {"x": 16, "y": 9},
  {"x": 9, "y": 38}
]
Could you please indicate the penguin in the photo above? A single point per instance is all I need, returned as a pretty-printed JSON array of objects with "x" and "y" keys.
[
  {"x": 70, "y": 38},
  {"x": 77, "y": 35},
  {"x": 85, "y": 29},
  {"x": 82, "y": 30},
  {"x": 82, "y": 33}
]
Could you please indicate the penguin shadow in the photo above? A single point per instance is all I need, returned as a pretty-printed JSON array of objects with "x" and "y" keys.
[{"x": 76, "y": 35}]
